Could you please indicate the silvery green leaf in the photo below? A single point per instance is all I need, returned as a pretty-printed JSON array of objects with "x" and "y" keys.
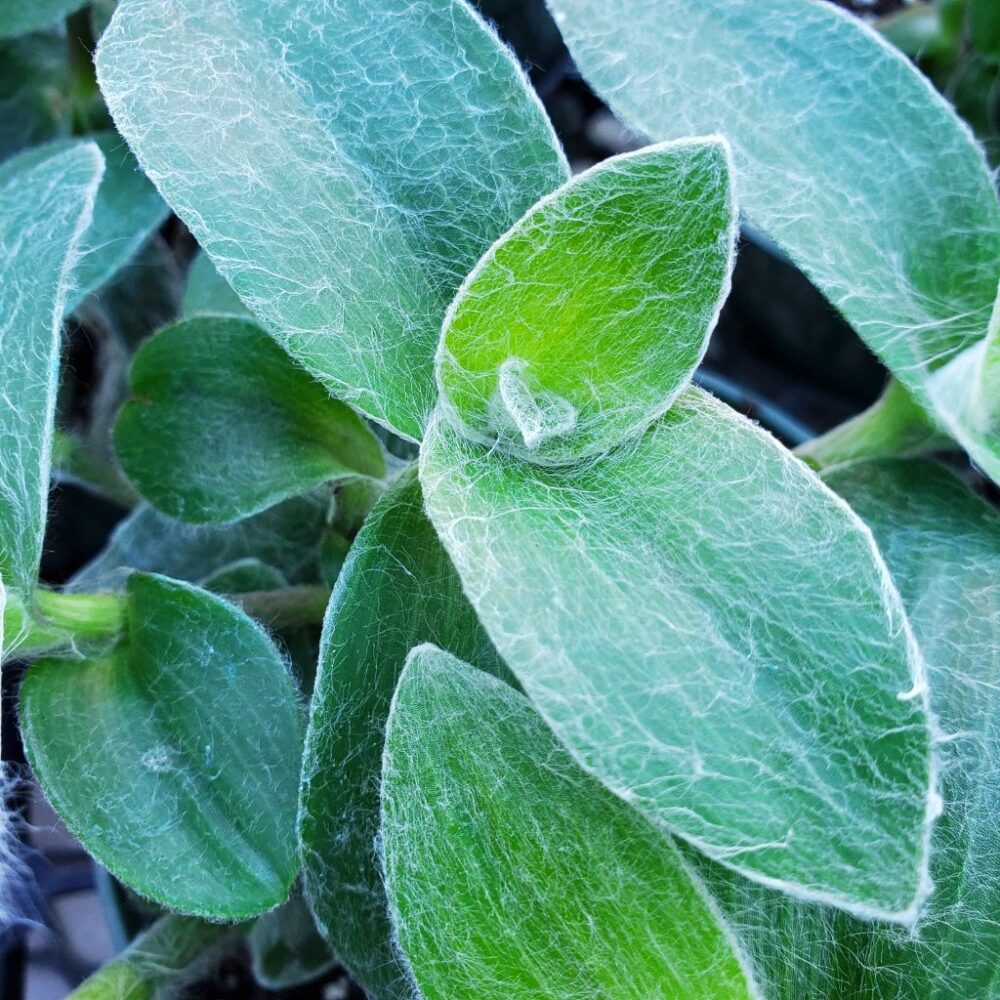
[
  {"x": 286, "y": 536},
  {"x": 390, "y": 145},
  {"x": 223, "y": 424},
  {"x": 844, "y": 155},
  {"x": 512, "y": 873},
  {"x": 45, "y": 207},
  {"x": 715, "y": 636},
  {"x": 396, "y": 590},
  {"x": 286, "y": 949},
  {"x": 607, "y": 291},
  {"x": 173, "y": 756}
]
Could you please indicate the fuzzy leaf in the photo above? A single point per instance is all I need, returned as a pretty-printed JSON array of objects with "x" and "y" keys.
[
  {"x": 390, "y": 145},
  {"x": 173, "y": 756},
  {"x": 127, "y": 211},
  {"x": 512, "y": 873},
  {"x": 942, "y": 544},
  {"x": 608, "y": 290},
  {"x": 397, "y": 589},
  {"x": 223, "y": 424},
  {"x": 286, "y": 949},
  {"x": 844, "y": 155},
  {"x": 208, "y": 292},
  {"x": 18, "y": 17},
  {"x": 714, "y": 635},
  {"x": 44, "y": 209},
  {"x": 34, "y": 79},
  {"x": 286, "y": 537}
]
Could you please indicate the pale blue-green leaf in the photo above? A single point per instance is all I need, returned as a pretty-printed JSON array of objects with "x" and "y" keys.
[
  {"x": 512, "y": 873},
  {"x": 127, "y": 211},
  {"x": 223, "y": 424},
  {"x": 208, "y": 292},
  {"x": 844, "y": 153},
  {"x": 390, "y": 143},
  {"x": 587, "y": 319},
  {"x": 45, "y": 208},
  {"x": 942, "y": 544},
  {"x": 173, "y": 757},
  {"x": 713, "y": 634},
  {"x": 18, "y": 17},
  {"x": 397, "y": 589},
  {"x": 287, "y": 537}
]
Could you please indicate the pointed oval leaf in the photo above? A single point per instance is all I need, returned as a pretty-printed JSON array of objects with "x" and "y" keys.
[
  {"x": 713, "y": 633},
  {"x": 397, "y": 589},
  {"x": 45, "y": 207},
  {"x": 223, "y": 424},
  {"x": 174, "y": 757},
  {"x": 942, "y": 544},
  {"x": 513, "y": 873},
  {"x": 844, "y": 155},
  {"x": 391, "y": 145},
  {"x": 585, "y": 321},
  {"x": 127, "y": 212}
]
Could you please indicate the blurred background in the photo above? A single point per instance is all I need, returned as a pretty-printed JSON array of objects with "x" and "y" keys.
[{"x": 780, "y": 355}]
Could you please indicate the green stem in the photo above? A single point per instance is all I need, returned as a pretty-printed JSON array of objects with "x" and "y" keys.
[
  {"x": 57, "y": 621},
  {"x": 287, "y": 607},
  {"x": 172, "y": 952}
]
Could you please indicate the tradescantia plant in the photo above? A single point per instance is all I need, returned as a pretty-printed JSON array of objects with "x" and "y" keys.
[{"x": 614, "y": 696}]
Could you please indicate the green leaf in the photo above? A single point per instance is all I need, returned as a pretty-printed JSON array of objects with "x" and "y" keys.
[
  {"x": 172, "y": 757},
  {"x": 18, "y": 17},
  {"x": 608, "y": 290},
  {"x": 391, "y": 144},
  {"x": 208, "y": 292},
  {"x": 34, "y": 85},
  {"x": 44, "y": 209},
  {"x": 512, "y": 873},
  {"x": 126, "y": 213},
  {"x": 844, "y": 155},
  {"x": 287, "y": 537},
  {"x": 223, "y": 424},
  {"x": 397, "y": 589},
  {"x": 942, "y": 544},
  {"x": 714, "y": 635},
  {"x": 286, "y": 949}
]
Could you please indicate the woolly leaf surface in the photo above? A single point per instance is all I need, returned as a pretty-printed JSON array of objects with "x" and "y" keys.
[
  {"x": 714, "y": 635},
  {"x": 18, "y": 17},
  {"x": 513, "y": 873},
  {"x": 844, "y": 154},
  {"x": 389, "y": 145},
  {"x": 223, "y": 424},
  {"x": 126, "y": 212},
  {"x": 286, "y": 949},
  {"x": 397, "y": 589},
  {"x": 286, "y": 536},
  {"x": 585, "y": 321},
  {"x": 44, "y": 209},
  {"x": 173, "y": 756},
  {"x": 941, "y": 543}
]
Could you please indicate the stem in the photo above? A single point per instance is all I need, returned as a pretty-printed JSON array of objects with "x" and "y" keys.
[
  {"x": 173, "y": 951},
  {"x": 285, "y": 608},
  {"x": 58, "y": 621}
]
